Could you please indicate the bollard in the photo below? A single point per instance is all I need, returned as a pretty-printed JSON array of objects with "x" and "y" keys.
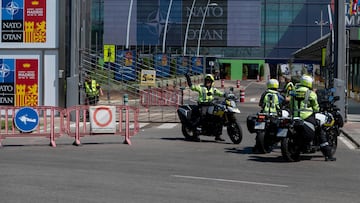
[
  {"x": 126, "y": 99},
  {"x": 222, "y": 83},
  {"x": 242, "y": 95},
  {"x": 257, "y": 78},
  {"x": 238, "y": 84}
]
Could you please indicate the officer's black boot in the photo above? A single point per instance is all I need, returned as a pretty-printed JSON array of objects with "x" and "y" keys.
[{"x": 326, "y": 150}]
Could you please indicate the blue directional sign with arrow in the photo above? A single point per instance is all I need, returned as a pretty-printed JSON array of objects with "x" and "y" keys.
[{"x": 26, "y": 119}]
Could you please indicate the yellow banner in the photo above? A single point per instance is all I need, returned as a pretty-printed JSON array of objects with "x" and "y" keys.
[
  {"x": 148, "y": 77},
  {"x": 109, "y": 53}
]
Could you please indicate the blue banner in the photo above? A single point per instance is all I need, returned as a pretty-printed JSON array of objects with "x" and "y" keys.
[
  {"x": 162, "y": 65},
  {"x": 182, "y": 65},
  {"x": 197, "y": 65},
  {"x": 125, "y": 68}
]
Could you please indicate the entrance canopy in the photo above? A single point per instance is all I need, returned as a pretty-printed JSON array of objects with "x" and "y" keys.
[{"x": 313, "y": 50}]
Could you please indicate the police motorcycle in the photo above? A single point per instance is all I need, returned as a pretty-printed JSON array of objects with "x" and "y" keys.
[
  {"x": 219, "y": 114},
  {"x": 266, "y": 126},
  {"x": 328, "y": 107},
  {"x": 329, "y": 120}
]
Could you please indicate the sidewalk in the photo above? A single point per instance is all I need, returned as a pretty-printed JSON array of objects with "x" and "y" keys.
[{"x": 351, "y": 129}]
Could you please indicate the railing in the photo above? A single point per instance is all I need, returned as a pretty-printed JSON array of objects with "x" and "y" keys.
[{"x": 55, "y": 121}]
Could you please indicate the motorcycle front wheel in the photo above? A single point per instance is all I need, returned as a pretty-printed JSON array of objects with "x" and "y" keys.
[
  {"x": 332, "y": 139},
  {"x": 188, "y": 132},
  {"x": 289, "y": 150},
  {"x": 235, "y": 132}
]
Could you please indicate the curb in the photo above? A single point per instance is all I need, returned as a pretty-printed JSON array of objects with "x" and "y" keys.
[{"x": 350, "y": 138}]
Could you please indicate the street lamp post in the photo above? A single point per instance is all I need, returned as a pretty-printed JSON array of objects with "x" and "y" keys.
[
  {"x": 187, "y": 26},
  {"x": 321, "y": 23},
  {"x": 128, "y": 24},
  {"x": 202, "y": 25},
  {"x": 166, "y": 24}
]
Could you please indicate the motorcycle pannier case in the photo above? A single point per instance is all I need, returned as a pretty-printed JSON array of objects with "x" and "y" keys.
[{"x": 250, "y": 123}]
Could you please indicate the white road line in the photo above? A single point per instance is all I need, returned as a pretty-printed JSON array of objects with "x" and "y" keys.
[
  {"x": 230, "y": 181},
  {"x": 141, "y": 125},
  {"x": 253, "y": 100},
  {"x": 347, "y": 143},
  {"x": 167, "y": 125}
]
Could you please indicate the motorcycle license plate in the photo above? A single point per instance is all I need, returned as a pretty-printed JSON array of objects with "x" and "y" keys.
[
  {"x": 259, "y": 125},
  {"x": 282, "y": 132}
]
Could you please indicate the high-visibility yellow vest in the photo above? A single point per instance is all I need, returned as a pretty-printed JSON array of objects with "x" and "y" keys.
[
  {"x": 91, "y": 89},
  {"x": 205, "y": 94},
  {"x": 304, "y": 102}
]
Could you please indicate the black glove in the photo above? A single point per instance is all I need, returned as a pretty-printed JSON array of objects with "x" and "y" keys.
[{"x": 188, "y": 79}]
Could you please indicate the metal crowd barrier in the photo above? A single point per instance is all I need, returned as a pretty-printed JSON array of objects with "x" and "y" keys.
[
  {"x": 160, "y": 97},
  {"x": 72, "y": 121},
  {"x": 48, "y": 117},
  {"x": 126, "y": 122}
]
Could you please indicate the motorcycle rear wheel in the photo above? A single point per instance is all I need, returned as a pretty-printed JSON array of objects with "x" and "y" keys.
[
  {"x": 289, "y": 150},
  {"x": 235, "y": 132},
  {"x": 260, "y": 142},
  {"x": 188, "y": 132}
]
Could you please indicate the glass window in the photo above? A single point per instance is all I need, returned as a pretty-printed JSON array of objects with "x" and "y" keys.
[
  {"x": 293, "y": 32},
  {"x": 271, "y": 35},
  {"x": 285, "y": 14},
  {"x": 272, "y": 11}
]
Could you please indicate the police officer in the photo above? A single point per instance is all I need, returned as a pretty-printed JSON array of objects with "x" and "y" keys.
[
  {"x": 206, "y": 96},
  {"x": 289, "y": 85},
  {"x": 304, "y": 104},
  {"x": 271, "y": 100},
  {"x": 92, "y": 90}
]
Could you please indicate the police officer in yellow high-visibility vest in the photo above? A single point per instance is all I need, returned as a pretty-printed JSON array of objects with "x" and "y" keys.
[
  {"x": 304, "y": 104},
  {"x": 271, "y": 100},
  {"x": 92, "y": 90},
  {"x": 206, "y": 96}
]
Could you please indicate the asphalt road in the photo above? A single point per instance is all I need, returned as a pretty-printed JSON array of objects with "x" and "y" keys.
[{"x": 160, "y": 166}]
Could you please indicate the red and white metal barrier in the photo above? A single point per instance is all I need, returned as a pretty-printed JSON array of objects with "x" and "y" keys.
[
  {"x": 55, "y": 121},
  {"x": 126, "y": 121},
  {"x": 160, "y": 97},
  {"x": 50, "y": 124}
]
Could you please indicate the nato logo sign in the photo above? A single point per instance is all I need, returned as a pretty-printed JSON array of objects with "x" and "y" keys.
[{"x": 26, "y": 119}]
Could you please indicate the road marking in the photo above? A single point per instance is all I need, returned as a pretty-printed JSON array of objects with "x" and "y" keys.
[
  {"x": 253, "y": 100},
  {"x": 167, "y": 125},
  {"x": 230, "y": 181},
  {"x": 141, "y": 125},
  {"x": 347, "y": 143}
]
